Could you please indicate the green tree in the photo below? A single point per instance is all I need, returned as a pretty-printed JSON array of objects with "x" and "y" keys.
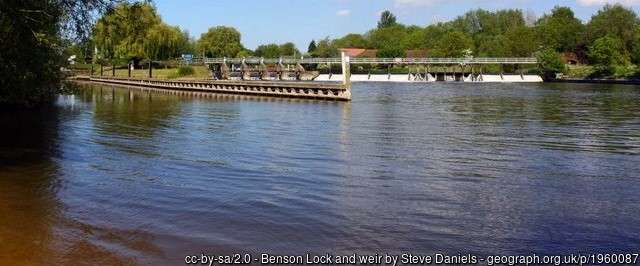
[
  {"x": 387, "y": 19},
  {"x": 521, "y": 42},
  {"x": 560, "y": 30},
  {"x": 391, "y": 52},
  {"x": 550, "y": 63},
  {"x": 386, "y": 37},
  {"x": 351, "y": 41},
  {"x": 492, "y": 46},
  {"x": 289, "y": 49},
  {"x": 244, "y": 53},
  {"x": 220, "y": 41},
  {"x": 432, "y": 34},
  {"x": 453, "y": 44},
  {"x": 312, "y": 46},
  {"x": 165, "y": 42},
  {"x": 268, "y": 51},
  {"x": 615, "y": 21},
  {"x": 325, "y": 49},
  {"x": 606, "y": 53},
  {"x": 636, "y": 48},
  {"x": 121, "y": 33},
  {"x": 414, "y": 39},
  {"x": 31, "y": 44}
]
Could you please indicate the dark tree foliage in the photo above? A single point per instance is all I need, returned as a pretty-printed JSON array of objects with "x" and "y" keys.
[
  {"x": 31, "y": 41},
  {"x": 387, "y": 19},
  {"x": 391, "y": 52},
  {"x": 550, "y": 63},
  {"x": 312, "y": 46},
  {"x": 561, "y": 30},
  {"x": 615, "y": 21}
]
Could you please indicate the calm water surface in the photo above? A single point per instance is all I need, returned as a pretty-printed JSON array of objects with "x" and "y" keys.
[{"x": 122, "y": 176}]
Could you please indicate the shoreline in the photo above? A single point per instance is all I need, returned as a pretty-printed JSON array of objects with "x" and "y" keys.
[{"x": 598, "y": 81}]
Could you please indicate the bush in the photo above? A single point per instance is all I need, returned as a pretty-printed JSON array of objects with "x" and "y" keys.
[
  {"x": 185, "y": 71},
  {"x": 391, "y": 52},
  {"x": 550, "y": 63},
  {"x": 181, "y": 72},
  {"x": 607, "y": 53}
]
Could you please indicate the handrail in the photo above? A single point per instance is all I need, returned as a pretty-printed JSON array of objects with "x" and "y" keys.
[{"x": 357, "y": 60}]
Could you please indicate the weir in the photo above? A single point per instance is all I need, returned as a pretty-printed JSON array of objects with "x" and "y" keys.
[
  {"x": 248, "y": 82},
  {"x": 467, "y": 69},
  {"x": 289, "y": 77}
]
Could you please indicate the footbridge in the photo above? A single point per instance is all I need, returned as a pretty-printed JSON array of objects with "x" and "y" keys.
[
  {"x": 420, "y": 69},
  {"x": 378, "y": 61}
]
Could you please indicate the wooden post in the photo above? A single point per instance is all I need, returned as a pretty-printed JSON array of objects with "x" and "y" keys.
[
  {"x": 346, "y": 70},
  {"x": 91, "y": 74},
  {"x": 113, "y": 69},
  {"x": 129, "y": 68},
  {"x": 101, "y": 69},
  {"x": 150, "y": 69}
]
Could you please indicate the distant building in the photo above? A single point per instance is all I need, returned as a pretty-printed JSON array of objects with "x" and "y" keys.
[
  {"x": 360, "y": 52},
  {"x": 422, "y": 53},
  {"x": 571, "y": 58}
]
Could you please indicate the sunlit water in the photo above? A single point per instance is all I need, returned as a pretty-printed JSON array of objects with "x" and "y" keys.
[{"x": 117, "y": 175}]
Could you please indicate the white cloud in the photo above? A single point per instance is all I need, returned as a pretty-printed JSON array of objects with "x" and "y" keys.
[
  {"x": 602, "y": 2},
  {"x": 343, "y": 12}
]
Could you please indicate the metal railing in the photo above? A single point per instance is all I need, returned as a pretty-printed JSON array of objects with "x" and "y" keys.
[{"x": 356, "y": 60}]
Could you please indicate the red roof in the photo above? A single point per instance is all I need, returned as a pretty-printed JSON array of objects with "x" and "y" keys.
[{"x": 353, "y": 52}]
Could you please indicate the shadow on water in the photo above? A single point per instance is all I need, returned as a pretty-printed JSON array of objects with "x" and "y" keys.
[
  {"x": 35, "y": 227},
  {"x": 28, "y": 185}
]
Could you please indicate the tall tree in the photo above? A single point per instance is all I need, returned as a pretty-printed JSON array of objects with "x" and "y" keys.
[
  {"x": 220, "y": 41},
  {"x": 289, "y": 49},
  {"x": 268, "y": 51},
  {"x": 312, "y": 46},
  {"x": 616, "y": 21},
  {"x": 607, "y": 53},
  {"x": 387, "y": 19},
  {"x": 325, "y": 49},
  {"x": 550, "y": 63},
  {"x": 386, "y": 37},
  {"x": 165, "y": 42},
  {"x": 32, "y": 36},
  {"x": 121, "y": 33},
  {"x": 351, "y": 41},
  {"x": 454, "y": 44},
  {"x": 521, "y": 42},
  {"x": 560, "y": 30},
  {"x": 636, "y": 48}
]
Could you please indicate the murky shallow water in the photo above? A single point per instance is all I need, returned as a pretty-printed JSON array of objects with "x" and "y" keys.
[{"x": 116, "y": 175}]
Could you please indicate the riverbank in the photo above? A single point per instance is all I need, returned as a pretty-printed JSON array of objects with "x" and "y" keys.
[{"x": 598, "y": 81}]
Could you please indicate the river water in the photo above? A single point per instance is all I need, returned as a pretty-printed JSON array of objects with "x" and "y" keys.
[{"x": 122, "y": 176}]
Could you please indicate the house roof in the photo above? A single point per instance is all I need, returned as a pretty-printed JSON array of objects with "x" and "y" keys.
[{"x": 353, "y": 52}]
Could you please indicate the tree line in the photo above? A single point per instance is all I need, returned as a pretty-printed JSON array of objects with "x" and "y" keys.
[
  {"x": 610, "y": 39},
  {"x": 38, "y": 36}
]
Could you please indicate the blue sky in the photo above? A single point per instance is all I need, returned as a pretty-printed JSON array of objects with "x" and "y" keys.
[{"x": 299, "y": 21}]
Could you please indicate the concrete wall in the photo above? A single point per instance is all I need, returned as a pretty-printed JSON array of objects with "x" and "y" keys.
[{"x": 405, "y": 78}]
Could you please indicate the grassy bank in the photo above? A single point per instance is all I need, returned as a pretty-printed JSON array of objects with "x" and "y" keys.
[
  {"x": 589, "y": 72},
  {"x": 199, "y": 72}
]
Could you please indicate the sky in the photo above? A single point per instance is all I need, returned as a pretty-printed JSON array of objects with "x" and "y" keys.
[{"x": 300, "y": 21}]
